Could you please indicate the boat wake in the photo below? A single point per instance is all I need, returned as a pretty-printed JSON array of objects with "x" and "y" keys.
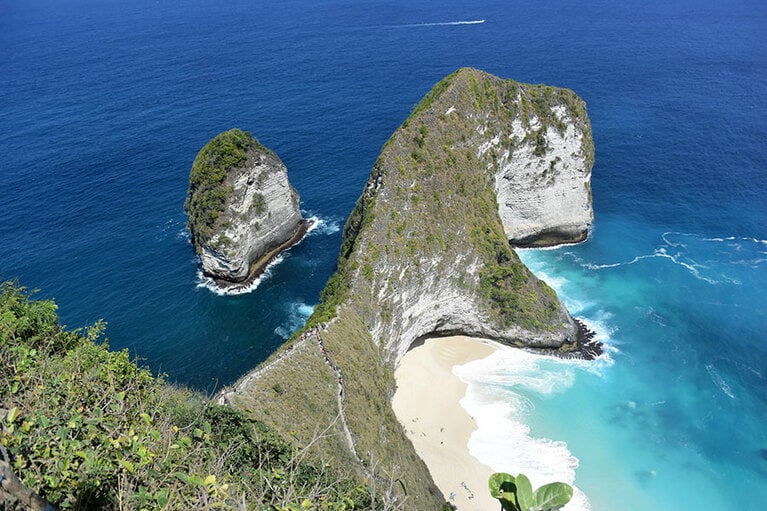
[{"x": 439, "y": 24}]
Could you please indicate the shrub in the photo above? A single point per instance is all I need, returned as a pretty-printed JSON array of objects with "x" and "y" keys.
[{"x": 86, "y": 428}]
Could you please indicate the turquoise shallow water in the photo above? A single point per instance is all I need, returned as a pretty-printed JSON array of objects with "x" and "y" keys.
[
  {"x": 674, "y": 413},
  {"x": 104, "y": 105}
]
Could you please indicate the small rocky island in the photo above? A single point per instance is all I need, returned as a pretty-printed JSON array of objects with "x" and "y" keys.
[{"x": 242, "y": 209}]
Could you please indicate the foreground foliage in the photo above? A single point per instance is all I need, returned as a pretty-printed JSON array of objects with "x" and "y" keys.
[
  {"x": 516, "y": 493},
  {"x": 86, "y": 428}
]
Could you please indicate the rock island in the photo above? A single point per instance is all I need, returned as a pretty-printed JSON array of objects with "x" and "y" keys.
[{"x": 242, "y": 209}]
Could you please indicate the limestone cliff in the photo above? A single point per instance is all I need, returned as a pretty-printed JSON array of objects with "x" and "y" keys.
[
  {"x": 426, "y": 252},
  {"x": 242, "y": 209},
  {"x": 480, "y": 161},
  {"x": 543, "y": 182}
]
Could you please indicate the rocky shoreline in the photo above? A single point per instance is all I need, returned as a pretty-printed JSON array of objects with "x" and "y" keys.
[
  {"x": 259, "y": 267},
  {"x": 585, "y": 347}
]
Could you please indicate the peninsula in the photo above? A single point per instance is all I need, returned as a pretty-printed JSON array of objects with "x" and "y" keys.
[
  {"x": 242, "y": 209},
  {"x": 480, "y": 162}
]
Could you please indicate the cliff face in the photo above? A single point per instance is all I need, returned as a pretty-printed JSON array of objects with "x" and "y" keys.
[
  {"x": 543, "y": 182},
  {"x": 480, "y": 161},
  {"x": 426, "y": 252},
  {"x": 241, "y": 207}
]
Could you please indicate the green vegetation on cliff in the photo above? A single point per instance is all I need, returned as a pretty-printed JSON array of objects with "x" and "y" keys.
[
  {"x": 438, "y": 195},
  {"x": 208, "y": 189},
  {"x": 86, "y": 428}
]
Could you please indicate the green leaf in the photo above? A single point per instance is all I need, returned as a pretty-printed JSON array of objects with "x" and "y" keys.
[
  {"x": 503, "y": 488},
  {"x": 498, "y": 483},
  {"x": 553, "y": 495},
  {"x": 128, "y": 466},
  {"x": 524, "y": 493},
  {"x": 12, "y": 414},
  {"x": 162, "y": 496}
]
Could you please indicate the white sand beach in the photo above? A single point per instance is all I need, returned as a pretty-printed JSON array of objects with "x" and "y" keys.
[{"x": 427, "y": 403}]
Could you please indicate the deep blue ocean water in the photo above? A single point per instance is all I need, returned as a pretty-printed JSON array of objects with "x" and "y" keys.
[{"x": 104, "y": 104}]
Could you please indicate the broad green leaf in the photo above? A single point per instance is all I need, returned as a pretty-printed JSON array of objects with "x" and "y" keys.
[
  {"x": 553, "y": 495},
  {"x": 524, "y": 493},
  {"x": 162, "y": 496},
  {"x": 499, "y": 483},
  {"x": 507, "y": 505}
]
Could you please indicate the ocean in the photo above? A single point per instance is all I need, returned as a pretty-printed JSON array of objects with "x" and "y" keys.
[{"x": 104, "y": 105}]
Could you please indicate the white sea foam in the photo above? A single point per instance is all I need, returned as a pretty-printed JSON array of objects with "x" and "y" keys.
[
  {"x": 690, "y": 251},
  {"x": 719, "y": 381},
  {"x": 184, "y": 234},
  {"x": 495, "y": 399},
  {"x": 440, "y": 24},
  {"x": 208, "y": 283},
  {"x": 322, "y": 226},
  {"x": 316, "y": 224},
  {"x": 298, "y": 313}
]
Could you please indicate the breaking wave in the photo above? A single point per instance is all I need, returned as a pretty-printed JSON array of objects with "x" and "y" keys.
[
  {"x": 694, "y": 253},
  {"x": 323, "y": 226},
  {"x": 316, "y": 225},
  {"x": 719, "y": 381},
  {"x": 496, "y": 399},
  {"x": 210, "y": 285},
  {"x": 298, "y": 313}
]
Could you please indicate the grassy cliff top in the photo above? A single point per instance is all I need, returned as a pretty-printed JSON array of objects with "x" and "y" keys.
[{"x": 430, "y": 199}]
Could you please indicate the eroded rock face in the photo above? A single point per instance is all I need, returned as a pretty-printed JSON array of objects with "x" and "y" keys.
[
  {"x": 481, "y": 161},
  {"x": 543, "y": 185},
  {"x": 242, "y": 209}
]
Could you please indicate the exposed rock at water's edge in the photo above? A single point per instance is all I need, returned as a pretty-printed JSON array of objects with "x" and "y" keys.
[{"x": 242, "y": 209}]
